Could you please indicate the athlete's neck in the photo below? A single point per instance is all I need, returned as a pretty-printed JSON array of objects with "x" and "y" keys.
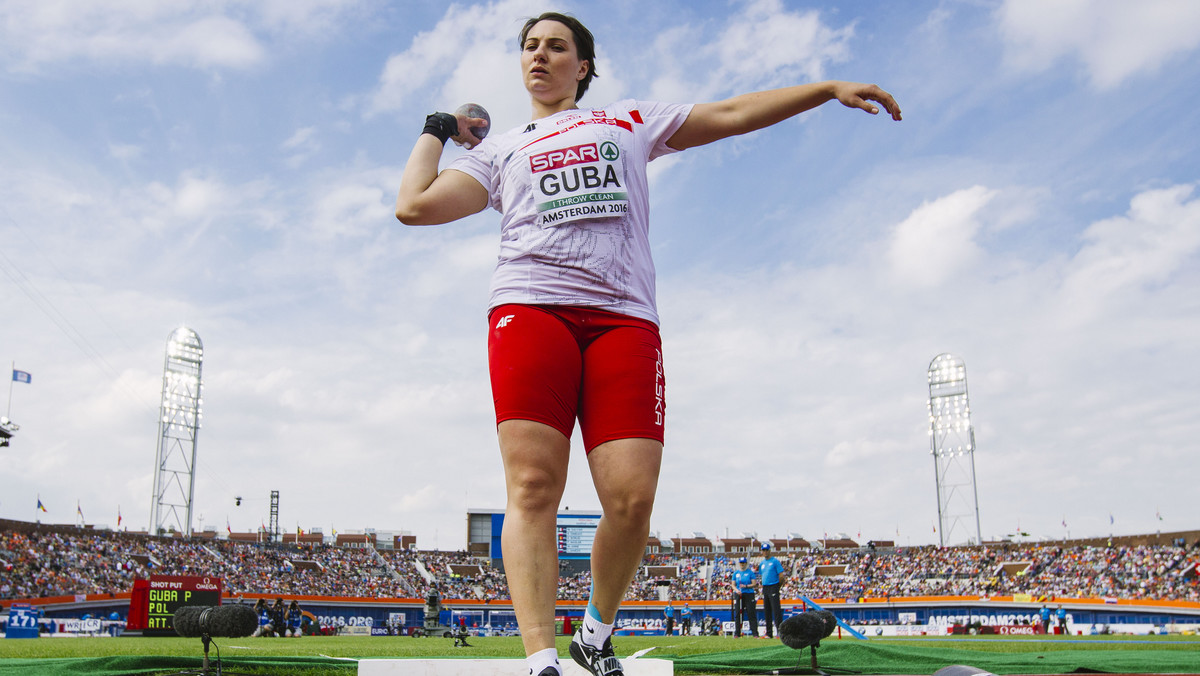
[{"x": 541, "y": 110}]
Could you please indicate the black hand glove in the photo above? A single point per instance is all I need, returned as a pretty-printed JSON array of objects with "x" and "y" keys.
[{"x": 441, "y": 125}]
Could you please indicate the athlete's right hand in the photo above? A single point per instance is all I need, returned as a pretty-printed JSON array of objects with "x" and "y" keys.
[{"x": 465, "y": 137}]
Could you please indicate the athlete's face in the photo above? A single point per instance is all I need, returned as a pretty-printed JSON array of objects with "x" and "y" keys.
[{"x": 550, "y": 63}]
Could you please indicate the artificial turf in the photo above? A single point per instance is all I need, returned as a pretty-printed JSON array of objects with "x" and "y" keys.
[{"x": 327, "y": 656}]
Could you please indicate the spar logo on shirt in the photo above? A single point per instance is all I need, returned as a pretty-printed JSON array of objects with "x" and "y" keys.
[{"x": 577, "y": 182}]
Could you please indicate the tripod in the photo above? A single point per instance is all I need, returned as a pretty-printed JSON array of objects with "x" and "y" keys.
[
  {"x": 812, "y": 668},
  {"x": 205, "y": 668}
]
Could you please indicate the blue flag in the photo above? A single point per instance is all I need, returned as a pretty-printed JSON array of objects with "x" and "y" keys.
[{"x": 22, "y": 376}]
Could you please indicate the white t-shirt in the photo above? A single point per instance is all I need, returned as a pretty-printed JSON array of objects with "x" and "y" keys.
[{"x": 575, "y": 207}]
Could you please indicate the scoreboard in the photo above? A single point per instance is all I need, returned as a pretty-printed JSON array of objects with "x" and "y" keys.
[
  {"x": 575, "y": 534},
  {"x": 168, "y": 593}
]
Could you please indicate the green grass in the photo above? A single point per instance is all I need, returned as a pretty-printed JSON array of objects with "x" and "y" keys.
[
  {"x": 722, "y": 648},
  {"x": 1040, "y": 644}
]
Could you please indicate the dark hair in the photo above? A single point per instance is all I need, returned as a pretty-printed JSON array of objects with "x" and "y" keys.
[{"x": 585, "y": 44}]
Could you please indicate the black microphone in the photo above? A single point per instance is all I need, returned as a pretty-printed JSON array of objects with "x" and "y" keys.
[
  {"x": 233, "y": 621},
  {"x": 830, "y": 621},
  {"x": 803, "y": 630}
]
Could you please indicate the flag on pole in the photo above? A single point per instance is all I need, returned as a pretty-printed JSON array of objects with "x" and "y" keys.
[
  {"x": 118, "y": 516},
  {"x": 227, "y": 527},
  {"x": 79, "y": 510},
  {"x": 1111, "y": 520},
  {"x": 22, "y": 377},
  {"x": 1064, "y": 522},
  {"x": 1158, "y": 514},
  {"x": 40, "y": 505}
]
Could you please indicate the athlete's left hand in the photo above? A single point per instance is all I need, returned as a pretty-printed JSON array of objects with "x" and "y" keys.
[{"x": 857, "y": 95}]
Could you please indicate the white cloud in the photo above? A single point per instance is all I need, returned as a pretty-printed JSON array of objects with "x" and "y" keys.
[
  {"x": 473, "y": 57},
  {"x": 769, "y": 45},
  {"x": 467, "y": 56},
  {"x": 197, "y": 197},
  {"x": 186, "y": 33},
  {"x": 821, "y": 370},
  {"x": 301, "y": 145},
  {"x": 124, "y": 152},
  {"x": 207, "y": 42},
  {"x": 1114, "y": 39},
  {"x": 764, "y": 45},
  {"x": 40, "y": 34},
  {"x": 937, "y": 241},
  {"x": 309, "y": 18},
  {"x": 352, "y": 208},
  {"x": 185, "y": 209},
  {"x": 1124, "y": 256},
  {"x": 429, "y": 59},
  {"x": 302, "y": 137}
]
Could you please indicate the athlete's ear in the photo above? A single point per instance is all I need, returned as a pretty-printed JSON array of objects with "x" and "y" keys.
[{"x": 584, "y": 67}]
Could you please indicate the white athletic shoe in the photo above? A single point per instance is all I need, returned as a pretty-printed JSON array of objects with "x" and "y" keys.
[{"x": 599, "y": 661}]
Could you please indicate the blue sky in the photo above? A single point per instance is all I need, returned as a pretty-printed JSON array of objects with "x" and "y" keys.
[{"x": 232, "y": 167}]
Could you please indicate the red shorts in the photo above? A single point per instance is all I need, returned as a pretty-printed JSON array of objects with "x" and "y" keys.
[{"x": 553, "y": 364}]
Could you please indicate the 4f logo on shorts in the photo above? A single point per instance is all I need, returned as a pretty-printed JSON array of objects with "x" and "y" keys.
[{"x": 504, "y": 321}]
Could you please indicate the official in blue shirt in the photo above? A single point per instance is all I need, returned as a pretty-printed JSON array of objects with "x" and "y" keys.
[
  {"x": 772, "y": 575},
  {"x": 744, "y": 604},
  {"x": 669, "y": 614},
  {"x": 685, "y": 620}
]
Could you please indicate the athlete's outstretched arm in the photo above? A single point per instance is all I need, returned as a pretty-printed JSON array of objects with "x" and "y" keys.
[
  {"x": 429, "y": 198},
  {"x": 710, "y": 122}
]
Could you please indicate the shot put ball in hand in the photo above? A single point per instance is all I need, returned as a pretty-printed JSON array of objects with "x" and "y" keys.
[{"x": 477, "y": 111}]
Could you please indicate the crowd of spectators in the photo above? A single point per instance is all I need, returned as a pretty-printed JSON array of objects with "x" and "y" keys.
[
  {"x": 577, "y": 587},
  {"x": 45, "y": 562},
  {"x": 451, "y": 574},
  {"x": 692, "y": 580}
]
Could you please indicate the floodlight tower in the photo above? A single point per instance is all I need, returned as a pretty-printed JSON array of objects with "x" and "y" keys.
[
  {"x": 952, "y": 443},
  {"x": 178, "y": 425}
]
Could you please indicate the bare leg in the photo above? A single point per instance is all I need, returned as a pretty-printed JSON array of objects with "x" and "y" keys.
[
  {"x": 535, "y": 473},
  {"x": 625, "y": 473}
]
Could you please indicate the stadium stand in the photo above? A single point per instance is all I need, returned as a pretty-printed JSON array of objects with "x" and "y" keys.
[{"x": 40, "y": 561}]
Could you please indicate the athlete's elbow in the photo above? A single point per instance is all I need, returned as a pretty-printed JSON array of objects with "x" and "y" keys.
[
  {"x": 405, "y": 216},
  {"x": 410, "y": 214}
]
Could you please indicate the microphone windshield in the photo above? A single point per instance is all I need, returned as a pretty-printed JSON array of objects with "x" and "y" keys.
[
  {"x": 830, "y": 622},
  {"x": 233, "y": 621},
  {"x": 803, "y": 630},
  {"x": 187, "y": 621}
]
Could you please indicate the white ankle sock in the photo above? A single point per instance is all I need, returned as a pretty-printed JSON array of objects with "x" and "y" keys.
[
  {"x": 542, "y": 659},
  {"x": 594, "y": 631}
]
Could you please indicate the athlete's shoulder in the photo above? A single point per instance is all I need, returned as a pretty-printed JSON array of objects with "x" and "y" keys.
[
  {"x": 620, "y": 105},
  {"x": 495, "y": 143}
]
